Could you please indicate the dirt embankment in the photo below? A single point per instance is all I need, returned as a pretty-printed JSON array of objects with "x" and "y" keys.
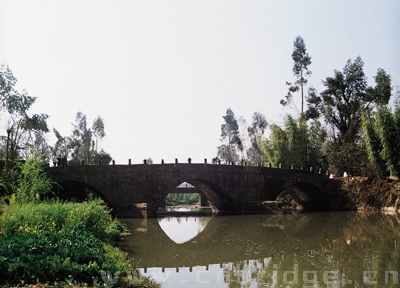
[{"x": 372, "y": 193}]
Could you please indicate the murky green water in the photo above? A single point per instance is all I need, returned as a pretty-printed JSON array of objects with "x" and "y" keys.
[{"x": 339, "y": 249}]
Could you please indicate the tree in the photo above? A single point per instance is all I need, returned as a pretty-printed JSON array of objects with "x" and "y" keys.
[
  {"x": 230, "y": 135},
  {"x": 61, "y": 146},
  {"x": 256, "y": 132},
  {"x": 7, "y": 86},
  {"x": 80, "y": 145},
  {"x": 341, "y": 104},
  {"x": 98, "y": 131},
  {"x": 244, "y": 137},
  {"x": 81, "y": 140},
  {"x": 287, "y": 145},
  {"x": 383, "y": 136},
  {"x": 300, "y": 70},
  {"x": 24, "y": 130},
  {"x": 316, "y": 137}
]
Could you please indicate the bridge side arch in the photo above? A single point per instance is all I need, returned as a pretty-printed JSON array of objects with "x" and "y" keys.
[
  {"x": 76, "y": 189},
  {"x": 225, "y": 201},
  {"x": 309, "y": 195}
]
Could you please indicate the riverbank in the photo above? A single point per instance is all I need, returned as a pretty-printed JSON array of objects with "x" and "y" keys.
[{"x": 372, "y": 194}]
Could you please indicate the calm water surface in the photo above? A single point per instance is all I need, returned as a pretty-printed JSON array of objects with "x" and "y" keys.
[{"x": 339, "y": 249}]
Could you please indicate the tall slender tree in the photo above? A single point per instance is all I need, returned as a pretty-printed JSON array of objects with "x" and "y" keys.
[
  {"x": 256, "y": 132},
  {"x": 81, "y": 140},
  {"x": 301, "y": 61},
  {"x": 230, "y": 136},
  {"x": 98, "y": 131}
]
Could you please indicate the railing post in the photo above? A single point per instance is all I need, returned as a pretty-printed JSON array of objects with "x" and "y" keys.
[
  {"x": 269, "y": 165},
  {"x": 189, "y": 160},
  {"x": 145, "y": 162},
  {"x": 162, "y": 161},
  {"x": 82, "y": 162},
  {"x": 129, "y": 162},
  {"x": 113, "y": 162},
  {"x": 99, "y": 162},
  {"x": 205, "y": 161}
]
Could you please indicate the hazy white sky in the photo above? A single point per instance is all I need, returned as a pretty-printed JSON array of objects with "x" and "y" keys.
[{"x": 163, "y": 73}]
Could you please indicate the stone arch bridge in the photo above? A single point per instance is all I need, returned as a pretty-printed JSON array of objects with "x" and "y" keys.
[{"x": 138, "y": 190}]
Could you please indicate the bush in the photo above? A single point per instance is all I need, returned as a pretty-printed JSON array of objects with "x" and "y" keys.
[
  {"x": 33, "y": 184},
  {"x": 55, "y": 216},
  {"x": 71, "y": 256}
]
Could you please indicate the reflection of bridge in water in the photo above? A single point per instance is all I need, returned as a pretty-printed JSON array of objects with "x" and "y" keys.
[{"x": 228, "y": 239}]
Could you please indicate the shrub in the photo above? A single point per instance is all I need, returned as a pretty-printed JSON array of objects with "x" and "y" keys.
[
  {"x": 33, "y": 184},
  {"x": 71, "y": 256},
  {"x": 54, "y": 216}
]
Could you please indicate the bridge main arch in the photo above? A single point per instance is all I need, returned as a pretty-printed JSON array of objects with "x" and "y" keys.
[{"x": 221, "y": 200}]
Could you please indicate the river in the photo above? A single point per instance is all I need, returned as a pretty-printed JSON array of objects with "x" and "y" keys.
[{"x": 331, "y": 249}]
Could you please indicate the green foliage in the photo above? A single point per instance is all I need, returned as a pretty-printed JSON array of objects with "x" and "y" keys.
[
  {"x": 346, "y": 97},
  {"x": 374, "y": 147},
  {"x": 388, "y": 128},
  {"x": 33, "y": 183},
  {"x": 383, "y": 136},
  {"x": 71, "y": 256},
  {"x": 65, "y": 241},
  {"x": 295, "y": 143},
  {"x": 54, "y": 217},
  {"x": 182, "y": 198}
]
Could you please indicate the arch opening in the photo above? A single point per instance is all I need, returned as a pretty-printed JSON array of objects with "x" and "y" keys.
[
  {"x": 184, "y": 199},
  {"x": 218, "y": 200},
  {"x": 79, "y": 191},
  {"x": 309, "y": 197}
]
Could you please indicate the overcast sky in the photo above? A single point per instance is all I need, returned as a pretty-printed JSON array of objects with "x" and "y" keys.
[{"x": 163, "y": 73}]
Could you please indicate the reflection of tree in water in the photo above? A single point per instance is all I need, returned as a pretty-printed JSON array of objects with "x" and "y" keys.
[
  {"x": 370, "y": 242},
  {"x": 243, "y": 273}
]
